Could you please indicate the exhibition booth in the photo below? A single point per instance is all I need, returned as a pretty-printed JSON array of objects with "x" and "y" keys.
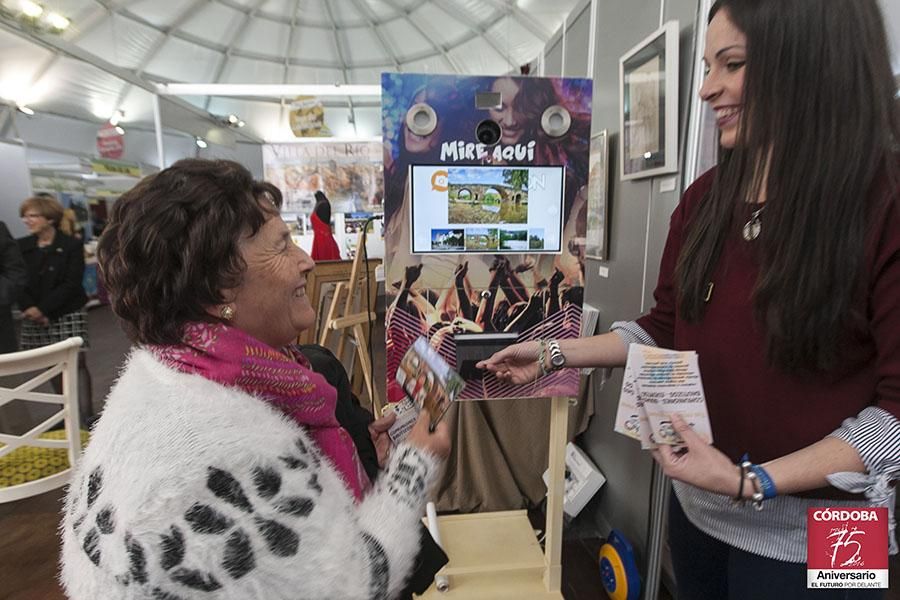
[{"x": 495, "y": 172}]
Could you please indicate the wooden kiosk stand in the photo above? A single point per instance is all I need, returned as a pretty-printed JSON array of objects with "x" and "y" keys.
[{"x": 496, "y": 555}]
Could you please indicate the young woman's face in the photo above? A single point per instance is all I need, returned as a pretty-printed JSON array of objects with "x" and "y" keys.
[
  {"x": 511, "y": 121},
  {"x": 725, "y": 57}
]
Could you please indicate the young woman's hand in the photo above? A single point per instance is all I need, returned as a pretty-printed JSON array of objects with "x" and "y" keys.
[
  {"x": 702, "y": 465},
  {"x": 516, "y": 364}
]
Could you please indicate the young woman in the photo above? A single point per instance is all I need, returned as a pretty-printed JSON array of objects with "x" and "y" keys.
[{"x": 782, "y": 270}]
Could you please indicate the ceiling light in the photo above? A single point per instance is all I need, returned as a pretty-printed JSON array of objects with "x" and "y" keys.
[
  {"x": 267, "y": 89},
  {"x": 201, "y": 143},
  {"x": 241, "y": 124},
  {"x": 57, "y": 21},
  {"x": 116, "y": 117},
  {"x": 32, "y": 9},
  {"x": 233, "y": 119},
  {"x": 24, "y": 109},
  {"x": 119, "y": 130}
]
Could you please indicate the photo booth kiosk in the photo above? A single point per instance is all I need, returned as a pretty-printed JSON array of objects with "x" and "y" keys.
[{"x": 485, "y": 216}]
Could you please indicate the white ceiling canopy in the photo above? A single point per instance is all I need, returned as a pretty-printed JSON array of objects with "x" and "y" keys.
[{"x": 274, "y": 42}]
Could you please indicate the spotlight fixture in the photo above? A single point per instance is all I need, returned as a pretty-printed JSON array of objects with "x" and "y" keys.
[
  {"x": 57, "y": 21},
  {"x": 117, "y": 116},
  {"x": 201, "y": 143},
  {"x": 119, "y": 130},
  {"x": 31, "y": 9},
  {"x": 34, "y": 17},
  {"x": 231, "y": 120},
  {"x": 24, "y": 109}
]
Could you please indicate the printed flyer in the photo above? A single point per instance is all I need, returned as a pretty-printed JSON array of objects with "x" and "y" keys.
[{"x": 659, "y": 383}]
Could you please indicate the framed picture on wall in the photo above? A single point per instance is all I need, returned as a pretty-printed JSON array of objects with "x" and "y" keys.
[
  {"x": 648, "y": 101},
  {"x": 597, "y": 242}
]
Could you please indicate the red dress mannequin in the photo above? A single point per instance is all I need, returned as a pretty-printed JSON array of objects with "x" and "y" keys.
[{"x": 324, "y": 247}]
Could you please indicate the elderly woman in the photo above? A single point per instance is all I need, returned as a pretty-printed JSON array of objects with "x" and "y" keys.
[
  {"x": 218, "y": 467},
  {"x": 52, "y": 300}
]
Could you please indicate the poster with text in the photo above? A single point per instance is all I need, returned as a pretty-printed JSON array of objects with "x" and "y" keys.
[{"x": 349, "y": 173}]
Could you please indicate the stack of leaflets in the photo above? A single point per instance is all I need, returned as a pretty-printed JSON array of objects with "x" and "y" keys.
[
  {"x": 428, "y": 382},
  {"x": 659, "y": 383}
]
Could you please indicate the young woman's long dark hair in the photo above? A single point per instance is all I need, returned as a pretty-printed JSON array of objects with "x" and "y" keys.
[{"x": 819, "y": 114}]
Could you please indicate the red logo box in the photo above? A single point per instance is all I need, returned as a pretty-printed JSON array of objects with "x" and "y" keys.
[{"x": 847, "y": 547}]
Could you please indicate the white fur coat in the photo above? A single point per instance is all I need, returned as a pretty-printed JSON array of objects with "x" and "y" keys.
[{"x": 189, "y": 489}]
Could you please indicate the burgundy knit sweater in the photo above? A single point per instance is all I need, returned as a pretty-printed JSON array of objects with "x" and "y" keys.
[{"x": 757, "y": 408}]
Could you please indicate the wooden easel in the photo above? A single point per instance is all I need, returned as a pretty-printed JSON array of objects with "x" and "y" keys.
[{"x": 356, "y": 322}]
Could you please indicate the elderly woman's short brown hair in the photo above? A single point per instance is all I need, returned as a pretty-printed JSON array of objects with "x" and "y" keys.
[
  {"x": 172, "y": 244},
  {"x": 47, "y": 207}
]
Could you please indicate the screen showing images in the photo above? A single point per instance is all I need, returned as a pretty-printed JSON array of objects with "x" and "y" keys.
[{"x": 486, "y": 209}]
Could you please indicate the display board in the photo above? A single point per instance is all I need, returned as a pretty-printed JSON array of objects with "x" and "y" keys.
[
  {"x": 485, "y": 211},
  {"x": 348, "y": 172}
]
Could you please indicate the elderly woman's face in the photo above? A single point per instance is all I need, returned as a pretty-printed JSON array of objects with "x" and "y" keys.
[{"x": 271, "y": 303}]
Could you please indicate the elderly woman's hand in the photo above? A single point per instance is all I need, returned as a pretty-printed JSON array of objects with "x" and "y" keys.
[
  {"x": 436, "y": 442},
  {"x": 378, "y": 431}
]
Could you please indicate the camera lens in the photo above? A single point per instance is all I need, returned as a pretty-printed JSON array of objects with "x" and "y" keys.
[{"x": 488, "y": 132}]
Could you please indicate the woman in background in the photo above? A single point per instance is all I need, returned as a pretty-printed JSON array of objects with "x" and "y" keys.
[
  {"x": 53, "y": 299},
  {"x": 782, "y": 271}
]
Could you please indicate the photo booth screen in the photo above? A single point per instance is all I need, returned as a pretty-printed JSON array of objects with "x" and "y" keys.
[{"x": 486, "y": 209}]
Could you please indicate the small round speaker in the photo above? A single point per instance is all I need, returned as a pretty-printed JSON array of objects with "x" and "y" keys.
[
  {"x": 556, "y": 121},
  {"x": 421, "y": 119}
]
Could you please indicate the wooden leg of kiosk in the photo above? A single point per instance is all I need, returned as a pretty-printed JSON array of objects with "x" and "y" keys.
[
  {"x": 555, "y": 494},
  {"x": 496, "y": 555}
]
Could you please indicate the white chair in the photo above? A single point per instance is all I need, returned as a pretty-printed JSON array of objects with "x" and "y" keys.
[{"x": 55, "y": 359}]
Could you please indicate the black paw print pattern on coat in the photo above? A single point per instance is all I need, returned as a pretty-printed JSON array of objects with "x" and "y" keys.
[
  {"x": 204, "y": 519},
  {"x": 407, "y": 479}
]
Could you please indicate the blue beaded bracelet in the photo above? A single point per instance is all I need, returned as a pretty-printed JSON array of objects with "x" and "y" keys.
[{"x": 766, "y": 484}]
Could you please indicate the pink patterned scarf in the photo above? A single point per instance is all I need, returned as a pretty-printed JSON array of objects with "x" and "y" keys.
[{"x": 283, "y": 378}]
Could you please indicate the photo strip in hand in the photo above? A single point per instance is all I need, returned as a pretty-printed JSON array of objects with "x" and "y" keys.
[{"x": 429, "y": 384}]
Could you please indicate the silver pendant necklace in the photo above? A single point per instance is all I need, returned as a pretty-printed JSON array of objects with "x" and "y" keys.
[{"x": 753, "y": 226}]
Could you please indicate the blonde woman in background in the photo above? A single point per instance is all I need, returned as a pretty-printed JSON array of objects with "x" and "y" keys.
[{"x": 53, "y": 299}]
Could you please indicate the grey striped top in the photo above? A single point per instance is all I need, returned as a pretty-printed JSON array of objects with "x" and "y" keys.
[{"x": 779, "y": 530}]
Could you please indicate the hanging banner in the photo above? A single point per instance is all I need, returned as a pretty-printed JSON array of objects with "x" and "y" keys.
[
  {"x": 485, "y": 210},
  {"x": 307, "y": 117},
  {"x": 112, "y": 167},
  {"x": 110, "y": 143},
  {"x": 350, "y": 174}
]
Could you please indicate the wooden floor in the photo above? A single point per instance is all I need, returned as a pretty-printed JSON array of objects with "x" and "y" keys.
[{"x": 29, "y": 546}]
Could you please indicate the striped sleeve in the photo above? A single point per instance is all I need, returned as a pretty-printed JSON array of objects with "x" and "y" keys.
[
  {"x": 632, "y": 333},
  {"x": 875, "y": 434}
]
